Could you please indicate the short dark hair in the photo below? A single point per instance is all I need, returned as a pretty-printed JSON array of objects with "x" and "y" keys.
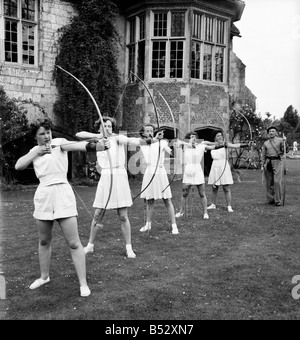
[
  {"x": 40, "y": 122},
  {"x": 142, "y": 130},
  {"x": 105, "y": 119},
  {"x": 190, "y": 134},
  {"x": 215, "y": 132}
]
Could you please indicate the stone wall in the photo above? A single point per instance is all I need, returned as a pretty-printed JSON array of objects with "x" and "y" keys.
[
  {"x": 194, "y": 105},
  {"x": 36, "y": 83},
  {"x": 239, "y": 92}
]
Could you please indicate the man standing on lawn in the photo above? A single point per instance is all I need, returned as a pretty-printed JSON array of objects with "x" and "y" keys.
[{"x": 272, "y": 154}]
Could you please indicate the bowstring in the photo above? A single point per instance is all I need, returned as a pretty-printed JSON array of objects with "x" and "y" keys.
[{"x": 82, "y": 202}]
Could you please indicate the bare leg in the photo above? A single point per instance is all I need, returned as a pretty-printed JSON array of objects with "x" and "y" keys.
[
  {"x": 45, "y": 238},
  {"x": 171, "y": 211},
  {"x": 185, "y": 193},
  {"x": 203, "y": 198},
  {"x": 149, "y": 212},
  {"x": 70, "y": 230},
  {"x": 227, "y": 192},
  {"x": 150, "y": 209},
  {"x": 228, "y": 197},
  {"x": 125, "y": 224},
  {"x": 215, "y": 190},
  {"x": 126, "y": 230},
  {"x": 96, "y": 225}
]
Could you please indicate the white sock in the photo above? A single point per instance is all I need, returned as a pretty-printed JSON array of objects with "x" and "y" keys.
[
  {"x": 128, "y": 247},
  {"x": 148, "y": 224},
  {"x": 174, "y": 226},
  {"x": 90, "y": 245}
]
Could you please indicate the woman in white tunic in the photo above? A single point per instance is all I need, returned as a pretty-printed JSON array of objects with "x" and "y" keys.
[
  {"x": 193, "y": 172},
  {"x": 158, "y": 179},
  {"x": 220, "y": 173},
  {"x": 120, "y": 198},
  {"x": 54, "y": 198}
]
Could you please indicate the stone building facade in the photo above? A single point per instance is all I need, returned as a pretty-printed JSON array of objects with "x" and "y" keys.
[
  {"x": 197, "y": 33},
  {"x": 183, "y": 50},
  {"x": 180, "y": 48},
  {"x": 29, "y": 33},
  {"x": 240, "y": 94}
]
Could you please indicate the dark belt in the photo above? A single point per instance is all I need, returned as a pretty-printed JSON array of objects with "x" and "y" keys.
[{"x": 273, "y": 158}]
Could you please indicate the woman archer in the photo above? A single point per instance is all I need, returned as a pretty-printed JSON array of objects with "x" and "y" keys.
[{"x": 54, "y": 198}]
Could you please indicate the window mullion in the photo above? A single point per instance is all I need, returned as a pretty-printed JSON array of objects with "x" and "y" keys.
[
  {"x": 168, "y": 59},
  {"x": 137, "y": 38},
  {"x": 136, "y": 51},
  {"x": 137, "y": 29},
  {"x": 201, "y": 60},
  {"x": 169, "y": 23},
  {"x": 215, "y": 34},
  {"x": 1, "y": 32},
  {"x": 168, "y": 45},
  {"x": 20, "y": 42},
  {"x": 213, "y": 66},
  {"x": 20, "y": 36}
]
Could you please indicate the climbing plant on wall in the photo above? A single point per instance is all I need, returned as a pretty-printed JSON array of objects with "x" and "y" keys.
[
  {"x": 13, "y": 127},
  {"x": 88, "y": 50}
]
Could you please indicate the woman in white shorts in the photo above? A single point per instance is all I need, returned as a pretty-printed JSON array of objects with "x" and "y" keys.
[
  {"x": 120, "y": 197},
  {"x": 193, "y": 172},
  {"x": 220, "y": 172},
  {"x": 54, "y": 198}
]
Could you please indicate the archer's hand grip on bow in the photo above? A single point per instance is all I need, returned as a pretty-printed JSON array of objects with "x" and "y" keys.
[
  {"x": 160, "y": 135},
  {"x": 106, "y": 144}
]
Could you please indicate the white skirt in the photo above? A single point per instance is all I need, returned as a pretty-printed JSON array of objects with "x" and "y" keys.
[
  {"x": 120, "y": 194},
  {"x": 157, "y": 189},
  {"x": 218, "y": 176},
  {"x": 193, "y": 175}
]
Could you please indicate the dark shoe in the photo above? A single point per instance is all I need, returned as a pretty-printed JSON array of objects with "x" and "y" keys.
[
  {"x": 271, "y": 202},
  {"x": 278, "y": 204}
]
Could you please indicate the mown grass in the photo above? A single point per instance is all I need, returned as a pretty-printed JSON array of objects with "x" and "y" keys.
[{"x": 233, "y": 266}]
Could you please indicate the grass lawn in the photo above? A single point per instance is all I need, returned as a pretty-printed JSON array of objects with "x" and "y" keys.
[{"x": 232, "y": 266}]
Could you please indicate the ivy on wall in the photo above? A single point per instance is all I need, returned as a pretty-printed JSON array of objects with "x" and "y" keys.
[
  {"x": 13, "y": 127},
  {"x": 88, "y": 50},
  {"x": 15, "y": 138}
]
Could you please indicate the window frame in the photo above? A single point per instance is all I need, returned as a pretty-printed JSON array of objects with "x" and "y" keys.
[
  {"x": 218, "y": 39},
  {"x": 20, "y": 21},
  {"x": 134, "y": 44},
  {"x": 168, "y": 39},
  {"x": 219, "y": 23}
]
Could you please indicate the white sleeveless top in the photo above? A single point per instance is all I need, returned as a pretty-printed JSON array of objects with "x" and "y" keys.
[{"x": 52, "y": 168}]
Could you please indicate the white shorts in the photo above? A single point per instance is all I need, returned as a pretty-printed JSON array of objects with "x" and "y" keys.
[{"x": 54, "y": 202}]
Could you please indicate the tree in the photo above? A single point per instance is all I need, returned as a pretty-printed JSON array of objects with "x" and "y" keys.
[
  {"x": 290, "y": 125},
  {"x": 88, "y": 49},
  {"x": 291, "y": 117},
  {"x": 240, "y": 132}
]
